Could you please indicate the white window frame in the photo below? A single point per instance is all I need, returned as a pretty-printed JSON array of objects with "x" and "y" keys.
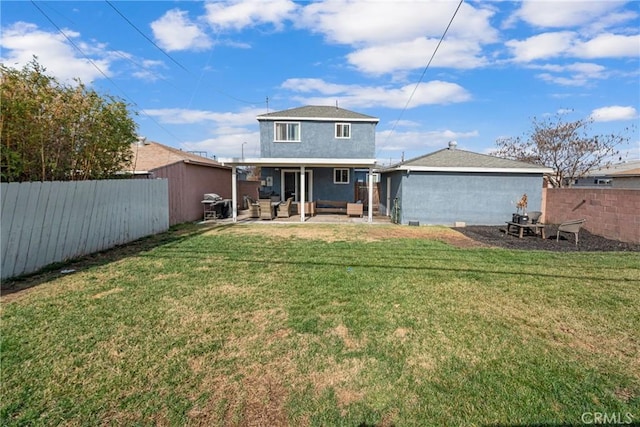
[
  {"x": 287, "y": 139},
  {"x": 343, "y": 126},
  {"x": 342, "y": 170}
]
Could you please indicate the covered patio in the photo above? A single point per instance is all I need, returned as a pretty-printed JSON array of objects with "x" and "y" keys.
[{"x": 303, "y": 166}]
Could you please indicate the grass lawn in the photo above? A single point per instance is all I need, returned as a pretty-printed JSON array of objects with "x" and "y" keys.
[{"x": 323, "y": 325}]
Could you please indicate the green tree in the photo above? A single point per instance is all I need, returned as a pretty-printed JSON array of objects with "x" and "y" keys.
[
  {"x": 55, "y": 132},
  {"x": 567, "y": 147}
]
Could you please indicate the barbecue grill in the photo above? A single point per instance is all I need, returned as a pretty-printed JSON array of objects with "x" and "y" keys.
[{"x": 215, "y": 207}]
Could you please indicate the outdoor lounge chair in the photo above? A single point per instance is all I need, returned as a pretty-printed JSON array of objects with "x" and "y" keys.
[
  {"x": 534, "y": 216},
  {"x": 284, "y": 209},
  {"x": 254, "y": 208},
  {"x": 266, "y": 211},
  {"x": 570, "y": 227}
]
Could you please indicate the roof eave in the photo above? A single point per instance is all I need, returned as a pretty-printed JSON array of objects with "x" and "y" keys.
[
  {"x": 319, "y": 119},
  {"x": 468, "y": 169},
  {"x": 307, "y": 162}
]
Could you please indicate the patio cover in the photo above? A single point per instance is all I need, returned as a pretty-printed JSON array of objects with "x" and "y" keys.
[{"x": 302, "y": 163}]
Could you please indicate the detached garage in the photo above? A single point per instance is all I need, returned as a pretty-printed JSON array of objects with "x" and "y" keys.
[{"x": 451, "y": 186}]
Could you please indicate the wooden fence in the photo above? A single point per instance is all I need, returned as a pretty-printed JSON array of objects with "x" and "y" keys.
[{"x": 48, "y": 222}]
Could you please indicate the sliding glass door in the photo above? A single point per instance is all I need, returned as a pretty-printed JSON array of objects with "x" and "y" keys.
[{"x": 291, "y": 184}]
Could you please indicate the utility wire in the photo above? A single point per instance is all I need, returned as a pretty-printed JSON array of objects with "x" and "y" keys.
[
  {"x": 425, "y": 70},
  {"x": 99, "y": 69},
  {"x": 145, "y": 36},
  {"x": 123, "y": 16}
]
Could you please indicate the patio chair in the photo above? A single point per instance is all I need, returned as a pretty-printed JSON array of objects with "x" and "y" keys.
[
  {"x": 570, "y": 227},
  {"x": 284, "y": 209},
  {"x": 534, "y": 216},
  {"x": 254, "y": 208},
  {"x": 266, "y": 212}
]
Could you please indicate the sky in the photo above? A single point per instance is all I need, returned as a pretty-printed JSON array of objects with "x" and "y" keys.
[{"x": 197, "y": 74}]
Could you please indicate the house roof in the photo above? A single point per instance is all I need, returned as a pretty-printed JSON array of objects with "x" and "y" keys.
[
  {"x": 627, "y": 173},
  {"x": 317, "y": 112},
  {"x": 151, "y": 155},
  {"x": 454, "y": 160},
  {"x": 631, "y": 168}
]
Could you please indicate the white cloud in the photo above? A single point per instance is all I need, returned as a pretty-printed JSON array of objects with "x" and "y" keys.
[
  {"x": 576, "y": 74},
  {"x": 608, "y": 46},
  {"x": 567, "y": 13},
  {"x": 238, "y": 14},
  {"x": 382, "y": 45},
  {"x": 418, "y": 142},
  {"x": 354, "y": 96},
  {"x": 22, "y": 41},
  {"x": 228, "y": 142},
  {"x": 174, "y": 31},
  {"x": 185, "y": 116},
  {"x": 541, "y": 46},
  {"x": 415, "y": 54},
  {"x": 614, "y": 113},
  {"x": 368, "y": 23}
]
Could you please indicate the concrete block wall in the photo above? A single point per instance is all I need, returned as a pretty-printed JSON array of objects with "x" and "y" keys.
[{"x": 611, "y": 213}]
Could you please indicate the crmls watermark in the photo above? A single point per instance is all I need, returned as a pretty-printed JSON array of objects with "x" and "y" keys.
[{"x": 607, "y": 418}]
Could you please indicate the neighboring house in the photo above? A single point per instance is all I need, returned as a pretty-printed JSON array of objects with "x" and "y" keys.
[
  {"x": 452, "y": 185},
  {"x": 190, "y": 176},
  {"x": 620, "y": 175},
  {"x": 313, "y": 153}
]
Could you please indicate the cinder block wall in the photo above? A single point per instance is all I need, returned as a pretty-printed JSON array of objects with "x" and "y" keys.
[{"x": 611, "y": 213}]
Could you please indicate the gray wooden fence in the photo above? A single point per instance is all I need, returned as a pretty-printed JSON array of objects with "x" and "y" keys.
[{"x": 47, "y": 222}]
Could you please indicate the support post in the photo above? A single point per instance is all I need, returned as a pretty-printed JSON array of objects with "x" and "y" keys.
[
  {"x": 303, "y": 194},
  {"x": 234, "y": 191},
  {"x": 370, "y": 210}
]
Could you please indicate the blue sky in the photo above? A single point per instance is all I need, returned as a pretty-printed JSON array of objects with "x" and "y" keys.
[{"x": 198, "y": 73}]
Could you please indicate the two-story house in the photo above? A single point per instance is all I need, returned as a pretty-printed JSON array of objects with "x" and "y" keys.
[{"x": 312, "y": 153}]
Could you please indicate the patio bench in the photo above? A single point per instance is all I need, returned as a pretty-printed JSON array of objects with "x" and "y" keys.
[{"x": 331, "y": 206}]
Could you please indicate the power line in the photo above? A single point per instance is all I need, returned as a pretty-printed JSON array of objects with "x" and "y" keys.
[
  {"x": 425, "y": 69},
  {"x": 199, "y": 78},
  {"x": 98, "y": 68},
  {"x": 147, "y": 38}
]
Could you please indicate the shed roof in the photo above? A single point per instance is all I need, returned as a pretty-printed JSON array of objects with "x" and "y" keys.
[
  {"x": 454, "y": 160},
  {"x": 317, "y": 112},
  {"x": 151, "y": 155}
]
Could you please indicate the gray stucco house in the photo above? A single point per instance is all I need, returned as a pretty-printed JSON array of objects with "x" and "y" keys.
[
  {"x": 453, "y": 185},
  {"x": 313, "y": 153}
]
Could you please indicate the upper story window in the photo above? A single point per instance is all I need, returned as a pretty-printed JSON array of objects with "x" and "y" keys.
[
  {"x": 287, "y": 131},
  {"x": 341, "y": 176},
  {"x": 343, "y": 130}
]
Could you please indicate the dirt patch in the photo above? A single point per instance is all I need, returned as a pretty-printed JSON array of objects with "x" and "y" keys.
[
  {"x": 495, "y": 236},
  {"x": 358, "y": 232}
]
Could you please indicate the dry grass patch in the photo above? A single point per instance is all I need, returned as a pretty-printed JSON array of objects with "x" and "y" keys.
[
  {"x": 352, "y": 232},
  {"x": 106, "y": 293},
  {"x": 342, "y": 332}
]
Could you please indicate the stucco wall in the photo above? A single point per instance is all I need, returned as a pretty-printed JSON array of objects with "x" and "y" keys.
[
  {"x": 473, "y": 198},
  {"x": 317, "y": 140},
  {"x": 611, "y": 213},
  {"x": 323, "y": 186}
]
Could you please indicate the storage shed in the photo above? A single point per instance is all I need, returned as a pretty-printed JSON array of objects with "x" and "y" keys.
[{"x": 190, "y": 177}]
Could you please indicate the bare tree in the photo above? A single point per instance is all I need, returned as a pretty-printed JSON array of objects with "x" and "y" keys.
[
  {"x": 51, "y": 131},
  {"x": 566, "y": 147}
]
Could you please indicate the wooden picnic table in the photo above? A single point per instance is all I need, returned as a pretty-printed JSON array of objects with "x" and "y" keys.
[{"x": 519, "y": 229}]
